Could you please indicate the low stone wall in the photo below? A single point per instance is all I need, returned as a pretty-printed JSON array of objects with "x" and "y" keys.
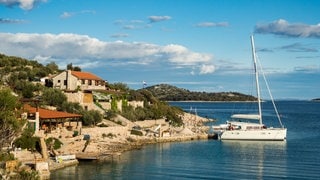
[
  {"x": 97, "y": 132},
  {"x": 150, "y": 123},
  {"x": 136, "y": 104},
  {"x": 55, "y": 165},
  {"x": 105, "y": 105}
]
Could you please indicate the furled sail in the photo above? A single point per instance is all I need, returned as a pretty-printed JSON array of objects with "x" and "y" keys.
[{"x": 246, "y": 116}]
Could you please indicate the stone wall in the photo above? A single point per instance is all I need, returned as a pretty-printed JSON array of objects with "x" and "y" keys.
[
  {"x": 74, "y": 97},
  {"x": 105, "y": 105},
  {"x": 96, "y": 133},
  {"x": 136, "y": 104},
  {"x": 150, "y": 123}
]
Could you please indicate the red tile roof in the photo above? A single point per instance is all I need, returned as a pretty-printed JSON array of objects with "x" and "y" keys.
[
  {"x": 85, "y": 75},
  {"x": 49, "y": 114}
]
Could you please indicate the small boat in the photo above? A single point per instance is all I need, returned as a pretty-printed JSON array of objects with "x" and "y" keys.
[{"x": 244, "y": 126}]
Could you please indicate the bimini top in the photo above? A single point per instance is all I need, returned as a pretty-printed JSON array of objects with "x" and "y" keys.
[{"x": 246, "y": 116}]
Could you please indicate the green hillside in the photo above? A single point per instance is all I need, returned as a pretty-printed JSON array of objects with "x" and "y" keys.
[{"x": 167, "y": 92}]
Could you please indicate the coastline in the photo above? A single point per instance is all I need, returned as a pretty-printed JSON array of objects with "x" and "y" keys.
[
  {"x": 110, "y": 142},
  {"x": 213, "y": 101},
  {"x": 117, "y": 139}
]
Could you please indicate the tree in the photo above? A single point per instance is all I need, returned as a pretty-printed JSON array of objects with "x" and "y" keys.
[
  {"x": 53, "y": 67},
  {"x": 73, "y": 68},
  {"x": 69, "y": 66},
  {"x": 91, "y": 117},
  {"x": 119, "y": 86},
  {"x": 71, "y": 107},
  {"x": 27, "y": 140},
  {"x": 53, "y": 97},
  {"x": 10, "y": 125},
  {"x": 76, "y": 68}
]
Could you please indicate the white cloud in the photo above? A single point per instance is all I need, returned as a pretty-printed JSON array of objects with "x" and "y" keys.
[
  {"x": 283, "y": 27},
  {"x": 181, "y": 55},
  {"x": 23, "y": 4},
  {"x": 11, "y": 21},
  {"x": 212, "y": 24},
  {"x": 65, "y": 15},
  {"x": 207, "y": 69},
  {"x": 120, "y": 35},
  {"x": 154, "y": 19},
  {"x": 131, "y": 24},
  {"x": 88, "y": 52}
]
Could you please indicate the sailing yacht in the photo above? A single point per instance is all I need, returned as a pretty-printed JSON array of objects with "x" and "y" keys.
[{"x": 245, "y": 126}]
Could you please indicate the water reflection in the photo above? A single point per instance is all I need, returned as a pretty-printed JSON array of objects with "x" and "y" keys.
[
  {"x": 261, "y": 159},
  {"x": 192, "y": 160}
]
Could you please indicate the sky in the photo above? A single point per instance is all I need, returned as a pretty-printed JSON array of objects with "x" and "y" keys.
[{"x": 200, "y": 45}]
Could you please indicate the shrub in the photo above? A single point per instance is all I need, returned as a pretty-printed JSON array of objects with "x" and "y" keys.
[
  {"x": 27, "y": 140},
  {"x": 110, "y": 114},
  {"x": 130, "y": 139},
  {"x": 103, "y": 125},
  {"x": 91, "y": 117},
  {"x": 6, "y": 156},
  {"x": 54, "y": 142},
  {"x": 109, "y": 135},
  {"x": 104, "y": 135},
  {"x": 29, "y": 175},
  {"x": 53, "y": 97},
  {"x": 136, "y": 132},
  {"x": 75, "y": 133}
]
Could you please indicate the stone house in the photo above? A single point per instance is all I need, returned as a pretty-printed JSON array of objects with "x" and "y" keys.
[
  {"x": 76, "y": 80},
  {"x": 78, "y": 87},
  {"x": 84, "y": 88}
]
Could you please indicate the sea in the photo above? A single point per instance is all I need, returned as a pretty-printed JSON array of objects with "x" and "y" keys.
[{"x": 296, "y": 158}]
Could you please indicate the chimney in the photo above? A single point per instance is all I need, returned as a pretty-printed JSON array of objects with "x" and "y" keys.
[{"x": 68, "y": 79}]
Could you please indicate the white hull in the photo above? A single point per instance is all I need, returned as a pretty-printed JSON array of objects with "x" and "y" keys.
[{"x": 270, "y": 134}]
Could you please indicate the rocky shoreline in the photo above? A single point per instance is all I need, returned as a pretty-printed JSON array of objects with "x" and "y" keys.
[
  {"x": 118, "y": 138},
  {"x": 105, "y": 143}
]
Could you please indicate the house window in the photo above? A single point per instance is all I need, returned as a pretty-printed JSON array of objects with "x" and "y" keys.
[
  {"x": 58, "y": 81},
  {"x": 90, "y": 82},
  {"x": 65, "y": 82},
  {"x": 83, "y": 81}
]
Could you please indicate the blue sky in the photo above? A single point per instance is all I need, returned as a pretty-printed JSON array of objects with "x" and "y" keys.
[{"x": 200, "y": 45}]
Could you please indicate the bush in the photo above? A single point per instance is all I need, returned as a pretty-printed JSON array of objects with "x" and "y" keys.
[
  {"x": 53, "y": 97},
  {"x": 109, "y": 135},
  {"x": 136, "y": 132},
  {"x": 130, "y": 139},
  {"x": 27, "y": 140},
  {"x": 4, "y": 156},
  {"x": 54, "y": 142},
  {"x": 75, "y": 133},
  {"x": 29, "y": 175},
  {"x": 91, "y": 117},
  {"x": 103, "y": 125},
  {"x": 110, "y": 114}
]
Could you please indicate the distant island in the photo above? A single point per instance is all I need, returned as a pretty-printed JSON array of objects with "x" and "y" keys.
[
  {"x": 167, "y": 92},
  {"x": 317, "y": 99}
]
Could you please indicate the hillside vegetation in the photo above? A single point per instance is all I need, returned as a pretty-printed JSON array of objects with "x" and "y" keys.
[
  {"x": 22, "y": 77},
  {"x": 167, "y": 92}
]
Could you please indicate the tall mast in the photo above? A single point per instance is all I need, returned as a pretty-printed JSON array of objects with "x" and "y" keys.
[{"x": 256, "y": 77}]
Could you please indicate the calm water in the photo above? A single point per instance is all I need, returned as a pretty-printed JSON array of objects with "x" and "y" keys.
[{"x": 297, "y": 158}]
